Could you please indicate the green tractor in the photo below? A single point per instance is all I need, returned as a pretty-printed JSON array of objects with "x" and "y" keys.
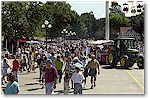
[{"x": 124, "y": 51}]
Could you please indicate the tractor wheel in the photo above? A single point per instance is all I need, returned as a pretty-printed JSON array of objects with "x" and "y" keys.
[
  {"x": 140, "y": 63},
  {"x": 131, "y": 64},
  {"x": 112, "y": 59},
  {"x": 124, "y": 62}
]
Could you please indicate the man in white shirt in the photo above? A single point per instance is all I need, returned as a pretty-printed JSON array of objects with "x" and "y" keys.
[{"x": 78, "y": 79}]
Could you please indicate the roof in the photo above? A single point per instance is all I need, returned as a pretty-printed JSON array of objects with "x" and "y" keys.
[{"x": 124, "y": 29}]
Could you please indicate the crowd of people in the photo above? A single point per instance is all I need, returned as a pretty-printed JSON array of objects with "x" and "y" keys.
[{"x": 73, "y": 62}]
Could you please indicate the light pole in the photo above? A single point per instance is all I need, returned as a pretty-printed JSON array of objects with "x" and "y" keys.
[
  {"x": 64, "y": 31},
  {"x": 46, "y": 25},
  {"x": 107, "y": 21}
]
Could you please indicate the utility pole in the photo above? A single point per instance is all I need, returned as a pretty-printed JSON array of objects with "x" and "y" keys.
[{"x": 107, "y": 21}]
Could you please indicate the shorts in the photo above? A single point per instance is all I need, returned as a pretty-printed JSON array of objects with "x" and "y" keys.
[
  {"x": 92, "y": 72},
  {"x": 4, "y": 71},
  {"x": 85, "y": 73}
]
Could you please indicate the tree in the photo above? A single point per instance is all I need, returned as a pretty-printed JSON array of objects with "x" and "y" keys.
[
  {"x": 117, "y": 19},
  {"x": 101, "y": 28},
  {"x": 61, "y": 16},
  {"x": 85, "y": 25},
  {"x": 138, "y": 24}
]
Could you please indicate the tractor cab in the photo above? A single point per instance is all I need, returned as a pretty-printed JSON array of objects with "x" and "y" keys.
[
  {"x": 124, "y": 46},
  {"x": 124, "y": 51}
]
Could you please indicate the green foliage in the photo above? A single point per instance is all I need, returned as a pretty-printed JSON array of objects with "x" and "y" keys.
[
  {"x": 138, "y": 24},
  {"x": 85, "y": 25},
  {"x": 117, "y": 21},
  {"x": 26, "y": 18}
]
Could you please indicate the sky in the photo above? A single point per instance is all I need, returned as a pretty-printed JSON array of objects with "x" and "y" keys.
[{"x": 97, "y": 7}]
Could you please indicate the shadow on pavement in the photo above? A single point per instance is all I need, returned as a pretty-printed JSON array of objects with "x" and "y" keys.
[
  {"x": 106, "y": 67},
  {"x": 138, "y": 68},
  {"x": 87, "y": 89},
  {"x": 34, "y": 89},
  {"x": 59, "y": 91},
  {"x": 116, "y": 67},
  {"x": 121, "y": 68},
  {"x": 36, "y": 78},
  {"x": 32, "y": 84},
  {"x": 23, "y": 73},
  {"x": 62, "y": 91}
]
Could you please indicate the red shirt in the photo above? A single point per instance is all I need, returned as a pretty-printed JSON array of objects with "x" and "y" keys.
[
  {"x": 50, "y": 74},
  {"x": 15, "y": 65}
]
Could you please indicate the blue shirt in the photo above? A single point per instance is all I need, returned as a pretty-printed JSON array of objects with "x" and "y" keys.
[{"x": 12, "y": 88}]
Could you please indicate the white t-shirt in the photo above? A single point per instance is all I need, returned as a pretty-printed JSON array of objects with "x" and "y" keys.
[
  {"x": 19, "y": 51},
  {"x": 77, "y": 77}
]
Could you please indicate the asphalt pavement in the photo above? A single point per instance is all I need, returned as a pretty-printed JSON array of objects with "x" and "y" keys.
[{"x": 110, "y": 81}]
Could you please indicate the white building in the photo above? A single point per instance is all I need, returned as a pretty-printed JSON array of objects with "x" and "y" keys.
[{"x": 128, "y": 32}]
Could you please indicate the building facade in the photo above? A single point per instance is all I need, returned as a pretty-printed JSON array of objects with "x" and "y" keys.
[{"x": 128, "y": 32}]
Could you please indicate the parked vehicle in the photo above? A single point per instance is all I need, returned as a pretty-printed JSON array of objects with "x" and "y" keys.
[
  {"x": 104, "y": 46},
  {"x": 125, "y": 52}
]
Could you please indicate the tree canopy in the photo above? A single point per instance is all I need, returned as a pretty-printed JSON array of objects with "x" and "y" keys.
[{"x": 26, "y": 18}]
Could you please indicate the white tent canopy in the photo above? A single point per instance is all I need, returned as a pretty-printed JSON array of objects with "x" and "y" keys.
[
  {"x": 101, "y": 42},
  {"x": 33, "y": 42}
]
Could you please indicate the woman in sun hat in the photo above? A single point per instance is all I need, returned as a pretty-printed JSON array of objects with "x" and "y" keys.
[{"x": 78, "y": 79}]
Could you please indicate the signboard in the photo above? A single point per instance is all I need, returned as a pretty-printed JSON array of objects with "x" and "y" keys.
[{"x": 2, "y": 38}]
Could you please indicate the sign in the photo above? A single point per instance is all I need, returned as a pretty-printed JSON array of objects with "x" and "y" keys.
[{"x": 2, "y": 38}]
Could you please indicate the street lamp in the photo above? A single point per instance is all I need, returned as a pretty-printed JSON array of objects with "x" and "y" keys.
[
  {"x": 64, "y": 31},
  {"x": 46, "y": 25},
  {"x": 73, "y": 33}
]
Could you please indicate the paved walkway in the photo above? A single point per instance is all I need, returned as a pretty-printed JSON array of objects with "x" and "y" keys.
[{"x": 110, "y": 81}]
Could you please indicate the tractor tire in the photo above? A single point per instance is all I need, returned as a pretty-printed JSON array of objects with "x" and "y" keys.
[
  {"x": 131, "y": 64},
  {"x": 124, "y": 62},
  {"x": 140, "y": 62},
  {"x": 112, "y": 60}
]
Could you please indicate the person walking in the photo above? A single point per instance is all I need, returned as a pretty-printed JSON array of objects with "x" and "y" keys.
[
  {"x": 78, "y": 79},
  {"x": 43, "y": 67},
  {"x": 52, "y": 57},
  {"x": 85, "y": 72},
  {"x": 15, "y": 68},
  {"x": 68, "y": 74},
  {"x": 24, "y": 64},
  {"x": 12, "y": 87},
  {"x": 5, "y": 66},
  {"x": 50, "y": 76},
  {"x": 59, "y": 65},
  {"x": 75, "y": 61},
  {"x": 93, "y": 65},
  {"x": 39, "y": 64}
]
